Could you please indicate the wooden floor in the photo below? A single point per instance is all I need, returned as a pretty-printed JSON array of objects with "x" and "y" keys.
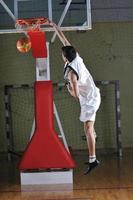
[{"x": 112, "y": 180}]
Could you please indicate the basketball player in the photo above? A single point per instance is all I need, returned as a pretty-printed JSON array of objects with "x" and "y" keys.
[{"x": 81, "y": 86}]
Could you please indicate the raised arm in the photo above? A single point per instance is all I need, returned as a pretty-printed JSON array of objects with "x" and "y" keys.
[{"x": 60, "y": 34}]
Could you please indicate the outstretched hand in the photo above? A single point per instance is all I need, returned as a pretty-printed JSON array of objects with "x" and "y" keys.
[{"x": 60, "y": 34}]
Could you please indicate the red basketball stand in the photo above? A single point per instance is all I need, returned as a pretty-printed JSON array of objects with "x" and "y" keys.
[{"x": 45, "y": 154}]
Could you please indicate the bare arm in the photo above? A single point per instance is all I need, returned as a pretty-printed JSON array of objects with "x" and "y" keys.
[
  {"x": 73, "y": 87},
  {"x": 60, "y": 34}
]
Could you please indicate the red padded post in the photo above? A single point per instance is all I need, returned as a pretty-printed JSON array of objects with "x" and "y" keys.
[
  {"x": 45, "y": 150},
  {"x": 38, "y": 42}
]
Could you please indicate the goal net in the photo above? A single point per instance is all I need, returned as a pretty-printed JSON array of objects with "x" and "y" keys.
[{"x": 19, "y": 101}]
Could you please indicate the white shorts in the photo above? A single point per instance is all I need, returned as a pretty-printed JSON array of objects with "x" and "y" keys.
[{"x": 89, "y": 109}]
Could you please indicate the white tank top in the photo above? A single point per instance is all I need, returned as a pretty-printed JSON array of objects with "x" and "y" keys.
[{"x": 87, "y": 88}]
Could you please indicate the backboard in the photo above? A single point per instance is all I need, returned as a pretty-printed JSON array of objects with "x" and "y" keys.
[{"x": 68, "y": 14}]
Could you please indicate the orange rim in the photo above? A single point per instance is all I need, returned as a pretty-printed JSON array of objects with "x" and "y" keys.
[{"x": 32, "y": 21}]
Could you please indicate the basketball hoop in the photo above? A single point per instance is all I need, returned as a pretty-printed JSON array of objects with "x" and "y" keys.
[
  {"x": 31, "y": 24},
  {"x": 35, "y": 24},
  {"x": 28, "y": 25}
]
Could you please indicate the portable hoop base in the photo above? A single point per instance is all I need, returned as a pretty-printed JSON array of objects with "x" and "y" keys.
[
  {"x": 47, "y": 178},
  {"x": 44, "y": 140}
]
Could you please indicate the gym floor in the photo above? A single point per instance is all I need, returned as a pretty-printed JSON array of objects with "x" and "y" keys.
[{"x": 112, "y": 180}]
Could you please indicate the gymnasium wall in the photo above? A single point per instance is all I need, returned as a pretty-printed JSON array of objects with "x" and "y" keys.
[{"x": 107, "y": 51}]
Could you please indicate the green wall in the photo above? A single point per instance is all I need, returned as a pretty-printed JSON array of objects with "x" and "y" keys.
[{"x": 107, "y": 51}]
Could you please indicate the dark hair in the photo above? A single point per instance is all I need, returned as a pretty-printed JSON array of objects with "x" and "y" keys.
[{"x": 69, "y": 52}]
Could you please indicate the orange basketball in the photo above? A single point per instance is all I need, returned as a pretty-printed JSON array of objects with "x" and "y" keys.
[{"x": 24, "y": 45}]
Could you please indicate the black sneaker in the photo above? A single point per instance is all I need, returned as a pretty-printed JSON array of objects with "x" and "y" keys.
[{"x": 92, "y": 166}]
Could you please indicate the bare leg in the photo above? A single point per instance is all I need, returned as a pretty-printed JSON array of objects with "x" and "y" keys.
[
  {"x": 89, "y": 131},
  {"x": 90, "y": 136}
]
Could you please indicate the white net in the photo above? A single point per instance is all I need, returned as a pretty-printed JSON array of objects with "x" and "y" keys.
[{"x": 22, "y": 115}]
